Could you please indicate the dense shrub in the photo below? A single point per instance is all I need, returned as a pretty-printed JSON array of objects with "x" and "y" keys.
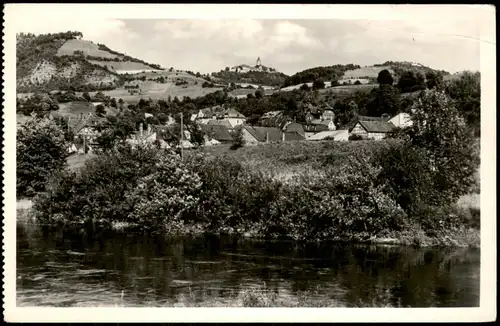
[
  {"x": 97, "y": 192},
  {"x": 40, "y": 151},
  {"x": 160, "y": 199}
]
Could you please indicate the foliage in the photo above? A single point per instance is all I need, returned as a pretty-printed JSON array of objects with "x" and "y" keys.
[
  {"x": 466, "y": 94},
  {"x": 318, "y": 84},
  {"x": 238, "y": 140},
  {"x": 251, "y": 77},
  {"x": 355, "y": 137},
  {"x": 162, "y": 198},
  {"x": 409, "y": 81},
  {"x": 39, "y": 104},
  {"x": 100, "y": 110},
  {"x": 40, "y": 151},
  {"x": 97, "y": 192},
  {"x": 385, "y": 99},
  {"x": 326, "y": 73},
  {"x": 385, "y": 77}
]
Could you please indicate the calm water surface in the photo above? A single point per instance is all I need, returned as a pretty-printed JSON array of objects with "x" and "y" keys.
[{"x": 62, "y": 268}]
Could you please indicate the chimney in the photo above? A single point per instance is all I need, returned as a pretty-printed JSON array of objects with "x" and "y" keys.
[
  {"x": 283, "y": 136},
  {"x": 267, "y": 137},
  {"x": 141, "y": 127},
  {"x": 149, "y": 128}
]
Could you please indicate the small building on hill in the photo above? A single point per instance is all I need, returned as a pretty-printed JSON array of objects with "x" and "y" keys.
[{"x": 372, "y": 129}]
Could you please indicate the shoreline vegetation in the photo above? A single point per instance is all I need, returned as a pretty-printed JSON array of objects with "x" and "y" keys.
[{"x": 404, "y": 189}]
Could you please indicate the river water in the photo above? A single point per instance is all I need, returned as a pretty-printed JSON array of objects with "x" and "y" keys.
[{"x": 70, "y": 269}]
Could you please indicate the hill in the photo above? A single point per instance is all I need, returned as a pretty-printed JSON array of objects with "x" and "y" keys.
[
  {"x": 328, "y": 73},
  {"x": 247, "y": 74},
  {"x": 63, "y": 61}
]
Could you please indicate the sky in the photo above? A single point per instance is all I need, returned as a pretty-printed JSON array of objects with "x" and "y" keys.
[{"x": 445, "y": 39}]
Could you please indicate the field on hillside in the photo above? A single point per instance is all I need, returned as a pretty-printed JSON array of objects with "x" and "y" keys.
[
  {"x": 347, "y": 90},
  {"x": 73, "y": 109},
  {"x": 370, "y": 71},
  {"x": 158, "y": 91},
  {"x": 87, "y": 47}
]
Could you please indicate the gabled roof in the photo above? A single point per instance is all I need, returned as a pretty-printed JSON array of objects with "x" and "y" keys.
[
  {"x": 261, "y": 133},
  {"x": 377, "y": 126},
  {"x": 217, "y": 132},
  {"x": 295, "y": 127},
  {"x": 87, "y": 122},
  {"x": 224, "y": 123},
  {"x": 293, "y": 136}
]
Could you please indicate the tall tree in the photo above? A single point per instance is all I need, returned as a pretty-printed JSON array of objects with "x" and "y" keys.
[{"x": 385, "y": 77}]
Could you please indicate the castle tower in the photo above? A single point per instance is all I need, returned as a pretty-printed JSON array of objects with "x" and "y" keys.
[{"x": 258, "y": 63}]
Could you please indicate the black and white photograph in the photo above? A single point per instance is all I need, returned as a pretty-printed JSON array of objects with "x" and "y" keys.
[{"x": 249, "y": 156}]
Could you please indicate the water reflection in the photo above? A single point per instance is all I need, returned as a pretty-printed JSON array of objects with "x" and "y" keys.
[{"x": 67, "y": 268}]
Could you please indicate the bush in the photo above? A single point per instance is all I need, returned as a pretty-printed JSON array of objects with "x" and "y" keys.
[
  {"x": 97, "y": 192},
  {"x": 355, "y": 137},
  {"x": 161, "y": 198},
  {"x": 41, "y": 150}
]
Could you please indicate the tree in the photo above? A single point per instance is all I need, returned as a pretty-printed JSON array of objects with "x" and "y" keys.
[
  {"x": 411, "y": 81},
  {"x": 304, "y": 87},
  {"x": 357, "y": 82},
  {"x": 226, "y": 69},
  {"x": 434, "y": 80},
  {"x": 440, "y": 131},
  {"x": 259, "y": 93},
  {"x": 466, "y": 94},
  {"x": 385, "y": 78},
  {"x": 238, "y": 140},
  {"x": 162, "y": 118},
  {"x": 86, "y": 96},
  {"x": 100, "y": 110},
  {"x": 386, "y": 99},
  {"x": 41, "y": 150},
  {"x": 318, "y": 84}
]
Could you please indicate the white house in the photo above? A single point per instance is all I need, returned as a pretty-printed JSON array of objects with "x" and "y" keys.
[{"x": 372, "y": 129}]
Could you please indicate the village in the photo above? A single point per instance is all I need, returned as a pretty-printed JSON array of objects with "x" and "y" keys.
[{"x": 219, "y": 125}]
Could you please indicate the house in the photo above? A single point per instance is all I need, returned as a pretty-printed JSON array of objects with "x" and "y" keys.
[
  {"x": 328, "y": 114},
  {"x": 328, "y": 123},
  {"x": 337, "y": 135},
  {"x": 233, "y": 117},
  {"x": 219, "y": 133},
  {"x": 354, "y": 121},
  {"x": 401, "y": 120},
  {"x": 254, "y": 135},
  {"x": 372, "y": 129},
  {"x": 225, "y": 123},
  {"x": 295, "y": 127},
  {"x": 311, "y": 129},
  {"x": 143, "y": 136}
]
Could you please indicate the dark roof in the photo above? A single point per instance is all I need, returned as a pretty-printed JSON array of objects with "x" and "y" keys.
[
  {"x": 224, "y": 123},
  {"x": 293, "y": 136},
  {"x": 294, "y": 127},
  {"x": 217, "y": 132},
  {"x": 261, "y": 133},
  {"x": 315, "y": 127},
  {"x": 377, "y": 126},
  {"x": 86, "y": 122},
  {"x": 357, "y": 118}
]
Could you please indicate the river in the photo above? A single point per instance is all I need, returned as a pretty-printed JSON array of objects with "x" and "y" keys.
[{"x": 70, "y": 269}]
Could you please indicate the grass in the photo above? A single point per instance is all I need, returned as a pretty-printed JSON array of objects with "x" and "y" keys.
[{"x": 369, "y": 71}]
